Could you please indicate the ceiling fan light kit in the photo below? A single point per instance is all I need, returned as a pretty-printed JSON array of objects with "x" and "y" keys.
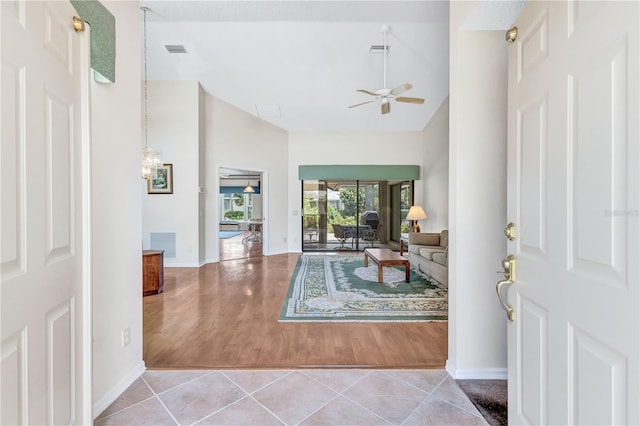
[{"x": 385, "y": 95}]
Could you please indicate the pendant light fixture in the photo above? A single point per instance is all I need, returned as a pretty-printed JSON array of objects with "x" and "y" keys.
[
  {"x": 248, "y": 188},
  {"x": 150, "y": 158}
]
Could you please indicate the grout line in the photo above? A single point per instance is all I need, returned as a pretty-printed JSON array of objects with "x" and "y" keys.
[
  {"x": 161, "y": 402},
  {"x": 478, "y": 414},
  {"x": 183, "y": 383},
  {"x": 100, "y": 417},
  {"x": 414, "y": 410},
  {"x": 336, "y": 396},
  {"x": 246, "y": 395},
  {"x": 251, "y": 394},
  {"x": 268, "y": 411},
  {"x": 220, "y": 409},
  {"x": 388, "y": 373},
  {"x": 357, "y": 404},
  {"x": 288, "y": 372},
  {"x": 123, "y": 409}
]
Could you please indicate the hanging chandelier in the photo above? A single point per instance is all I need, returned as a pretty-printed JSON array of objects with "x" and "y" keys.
[{"x": 150, "y": 158}]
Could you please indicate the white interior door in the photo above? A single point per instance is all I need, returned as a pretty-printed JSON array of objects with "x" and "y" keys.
[
  {"x": 573, "y": 194},
  {"x": 44, "y": 89}
]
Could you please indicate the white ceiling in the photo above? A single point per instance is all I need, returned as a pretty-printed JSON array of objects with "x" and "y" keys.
[{"x": 306, "y": 57}]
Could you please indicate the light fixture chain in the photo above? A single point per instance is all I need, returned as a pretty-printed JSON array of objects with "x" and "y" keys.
[
  {"x": 384, "y": 82},
  {"x": 150, "y": 159},
  {"x": 146, "y": 83}
]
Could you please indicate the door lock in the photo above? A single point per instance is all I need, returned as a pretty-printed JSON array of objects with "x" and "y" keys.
[
  {"x": 510, "y": 231},
  {"x": 509, "y": 271}
]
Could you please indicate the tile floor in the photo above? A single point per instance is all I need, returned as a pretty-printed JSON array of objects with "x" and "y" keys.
[{"x": 292, "y": 397}]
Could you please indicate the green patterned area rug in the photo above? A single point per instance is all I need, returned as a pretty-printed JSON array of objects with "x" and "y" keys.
[{"x": 340, "y": 288}]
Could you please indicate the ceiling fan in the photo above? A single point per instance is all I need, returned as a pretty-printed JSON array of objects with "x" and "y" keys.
[{"x": 385, "y": 95}]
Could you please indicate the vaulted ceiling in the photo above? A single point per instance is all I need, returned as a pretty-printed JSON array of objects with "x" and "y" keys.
[{"x": 300, "y": 62}]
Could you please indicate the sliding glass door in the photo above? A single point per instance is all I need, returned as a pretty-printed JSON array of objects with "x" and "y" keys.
[
  {"x": 340, "y": 215},
  {"x": 314, "y": 213},
  {"x": 401, "y": 195}
]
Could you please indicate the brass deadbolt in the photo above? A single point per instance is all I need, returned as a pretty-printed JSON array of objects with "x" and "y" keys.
[
  {"x": 510, "y": 231},
  {"x": 511, "y": 35},
  {"x": 78, "y": 25}
]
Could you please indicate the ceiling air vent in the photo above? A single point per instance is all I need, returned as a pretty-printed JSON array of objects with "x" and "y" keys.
[
  {"x": 378, "y": 48},
  {"x": 175, "y": 48}
]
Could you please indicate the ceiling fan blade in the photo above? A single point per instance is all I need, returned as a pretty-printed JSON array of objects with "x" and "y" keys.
[
  {"x": 367, "y": 92},
  {"x": 368, "y": 102},
  {"x": 386, "y": 108},
  {"x": 410, "y": 100},
  {"x": 401, "y": 89}
]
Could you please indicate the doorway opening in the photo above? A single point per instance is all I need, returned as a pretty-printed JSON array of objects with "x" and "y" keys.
[{"x": 241, "y": 213}]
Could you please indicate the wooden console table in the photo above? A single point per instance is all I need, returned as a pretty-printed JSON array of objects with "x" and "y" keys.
[{"x": 152, "y": 272}]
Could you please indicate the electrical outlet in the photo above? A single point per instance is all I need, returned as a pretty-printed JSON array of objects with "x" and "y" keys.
[
  {"x": 285, "y": 239},
  {"x": 126, "y": 337}
]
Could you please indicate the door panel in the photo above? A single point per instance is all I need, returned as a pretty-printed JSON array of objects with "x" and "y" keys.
[
  {"x": 532, "y": 143},
  {"x": 573, "y": 192},
  {"x": 532, "y": 361},
  {"x": 13, "y": 169},
  {"x": 597, "y": 135}
]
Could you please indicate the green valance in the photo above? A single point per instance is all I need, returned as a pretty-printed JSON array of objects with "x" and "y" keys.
[
  {"x": 358, "y": 172},
  {"x": 103, "y": 38}
]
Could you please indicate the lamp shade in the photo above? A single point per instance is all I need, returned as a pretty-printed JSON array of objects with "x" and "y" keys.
[
  {"x": 248, "y": 188},
  {"x": 416, "y": 213}
]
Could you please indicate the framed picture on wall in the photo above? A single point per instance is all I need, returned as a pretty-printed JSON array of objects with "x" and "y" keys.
[{"x": 163, "y": 182}]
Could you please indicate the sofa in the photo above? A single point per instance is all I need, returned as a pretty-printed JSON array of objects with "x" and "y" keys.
[{"x": 429, "y": 253}]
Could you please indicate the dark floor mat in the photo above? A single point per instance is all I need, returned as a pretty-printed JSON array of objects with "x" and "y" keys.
[{"x": 489, "y": 397}]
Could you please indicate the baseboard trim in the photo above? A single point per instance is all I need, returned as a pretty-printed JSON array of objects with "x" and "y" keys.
[
  {"x": 102, "y": 404},
  {"x": 479, "y": 373}
]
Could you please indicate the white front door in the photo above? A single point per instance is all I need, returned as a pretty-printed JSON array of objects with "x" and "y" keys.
[
  {"x": 44, "y": 278},
  {"x": 573, "y": 193}
]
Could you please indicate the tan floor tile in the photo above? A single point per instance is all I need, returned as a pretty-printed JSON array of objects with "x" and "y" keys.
[
  {"x": 450, "y": 391},
  {"x": 437, "y": 412},
  {"x": 162, "y": 380},
  {"x": 427, "y": 380},
  {"x": 386, "y": 396},
  {"x": 294, "y": 397},
  {"x": 338, "y": 380},
  {"x": 138, "y": 391},
  {"x": 194, "y": 400},
  {"x": 149, "y": 412},
  {"x": 341, "y": 411},
  {"x": 252, "y": 380},
  {"x": 244, "y": 412}
]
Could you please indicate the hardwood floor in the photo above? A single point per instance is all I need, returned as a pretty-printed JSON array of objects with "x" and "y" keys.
[
  {"x": 225, "y": 315},
  {"x": 235, "y": 248}
]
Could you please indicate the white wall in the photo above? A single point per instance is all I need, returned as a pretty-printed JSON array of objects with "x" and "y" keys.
[
  {"x": 435, "y": 171},
  {"x": 116, "y": 227},
  {"x": 370, "y": 148},
  {"x": 239, "y": 140},
  {"x": 174, "y": 130},
  {"x": 477, "y": 191}
]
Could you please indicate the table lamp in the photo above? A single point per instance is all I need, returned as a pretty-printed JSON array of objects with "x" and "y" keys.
[{"x": 415, "y": 214}]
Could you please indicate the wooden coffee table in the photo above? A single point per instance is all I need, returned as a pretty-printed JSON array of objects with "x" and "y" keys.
[{"x": 386, "y": 257}]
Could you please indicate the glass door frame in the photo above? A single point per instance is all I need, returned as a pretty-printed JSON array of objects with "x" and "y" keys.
[
  {"x": 318, "y": 211},
  {"x": 396, "y": 228}
]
